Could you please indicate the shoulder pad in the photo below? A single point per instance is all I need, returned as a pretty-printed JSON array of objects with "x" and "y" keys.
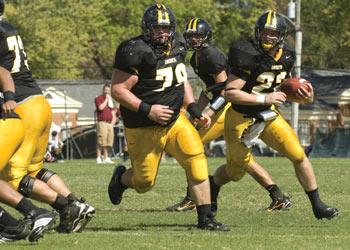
[
  {"x": 289, "y": 50},
  {"x": 178, "y": 37},
  {"x": 214, "y": 60},
  {"x": 242, "y": 54},
  {"x": 129, "y": 55},
  {"x": 242, "y": 58}
]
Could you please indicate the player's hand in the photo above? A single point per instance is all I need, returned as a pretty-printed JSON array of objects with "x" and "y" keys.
[
  {"x": 160, "y": 114},
  {"x": 204, "y": 122},
  {"x": 209, "y": 112},
  {"x": 306, "y": 93},
  {"x": 9, "y": 106},
  {"x": 275, "y": 98}
]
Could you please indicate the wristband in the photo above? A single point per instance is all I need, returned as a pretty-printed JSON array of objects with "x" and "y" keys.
[
  {"x": 218, "y": 103},
  {"x": 144, "y": 108},
  {"x": 9, "y": 96},
  {"x": 261, "y": 99},
  {"x": 194, "y": 111}
]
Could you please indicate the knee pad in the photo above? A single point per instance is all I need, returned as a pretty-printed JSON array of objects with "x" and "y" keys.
[
  {"x": 45, "y": 174},
  {"x": 26, "y": 185}
]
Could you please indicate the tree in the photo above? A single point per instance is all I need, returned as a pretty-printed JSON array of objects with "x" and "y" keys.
[{"x": 67, "y": 39}]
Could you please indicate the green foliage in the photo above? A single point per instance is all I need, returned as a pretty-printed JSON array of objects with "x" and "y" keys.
[
  {"x": 141, "y": 222},
  {"x": 67, "y": 39},
  {"x": 326, "y": 33}
]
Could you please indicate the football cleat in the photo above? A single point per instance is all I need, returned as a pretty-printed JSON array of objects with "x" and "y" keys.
[
  {"x": 86, "y": 214},
  {"x": 74, "y": 217},
  {"x": 325, "y": 212},
  {"x": 15, "y": 233},
  {"x": 186, "y": 204},
  {"x": 42, "y": 222},
  {"x": 212, "y": 225},
  {"x": 283, "y": 204},
  {"x": 115, "y": 187}
]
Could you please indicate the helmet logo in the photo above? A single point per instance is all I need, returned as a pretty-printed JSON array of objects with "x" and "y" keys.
[
  {"x": 192, "y": 25},
  {"x": 271, "y": 20},
  {"x": 163, "y": 15}
]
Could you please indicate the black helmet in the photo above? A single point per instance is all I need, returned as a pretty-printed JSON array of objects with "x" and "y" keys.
[
  {"x": 2, "y": 7},
  {"x": 157, "y": 15},
  {"x": 271, "y": 21},
  {"x": 200, "y": 27}
]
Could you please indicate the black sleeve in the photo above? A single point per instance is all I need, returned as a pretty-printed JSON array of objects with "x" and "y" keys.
[
  {"x": 215, "y": 61},
  {"x": 241, "y": 61},
  {"x": 128, "y": 58}
]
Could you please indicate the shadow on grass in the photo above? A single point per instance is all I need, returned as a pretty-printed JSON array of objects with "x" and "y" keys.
[
  {"x": 175, "y": 227},
  {"x": 138, "y": 210}
]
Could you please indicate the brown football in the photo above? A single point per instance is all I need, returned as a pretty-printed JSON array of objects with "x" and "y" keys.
[{"x": 290, "y": 87}]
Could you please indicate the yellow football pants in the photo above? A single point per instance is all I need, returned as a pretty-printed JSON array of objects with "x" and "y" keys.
[
  {"x": 216, "y": 128},
  {"x": 277, "y": 134},
  {"x": 28, "y": 158},
  {"x": 11, "y": 137},
  {"x": 146, "y": 146}
]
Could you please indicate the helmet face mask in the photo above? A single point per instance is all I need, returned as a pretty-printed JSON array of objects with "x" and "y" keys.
[
  {"x": 195, "y": 40},
  {"x": 270, "y": 30},
  {"x": 158, "y": 25},
  {"x": 160, "y": 34},
  {"x": 269, "y": 38},
  {"x": 197, "y": 34}
]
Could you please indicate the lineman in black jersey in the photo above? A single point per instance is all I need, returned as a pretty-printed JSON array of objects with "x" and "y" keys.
[
  {"x": 24, "y": 171},
  {"x": 210, "y": 64},
  {"x": 258, "y": 67},
  {"x": 150, "y": 82}
]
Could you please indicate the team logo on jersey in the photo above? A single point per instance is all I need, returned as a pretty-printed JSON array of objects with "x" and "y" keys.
[
  {"x": 170, "y": 60},
  {"x": 276, "y": 67}
]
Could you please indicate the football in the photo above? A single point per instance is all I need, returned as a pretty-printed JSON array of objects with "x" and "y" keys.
[{"x": 290, "y": 87}]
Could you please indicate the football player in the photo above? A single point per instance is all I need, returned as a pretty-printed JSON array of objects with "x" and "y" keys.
[
  {"x": 210, "y": 64},
  {"x": 37, "y": 220},
  {"x": 150, "y": 82},
  {"x": 24, "y": 170},
  {"x": 257, "y": 68}
]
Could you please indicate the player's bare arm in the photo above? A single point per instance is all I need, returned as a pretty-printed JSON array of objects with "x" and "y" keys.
[
  {"x": 189, "y": 102},
  {"x": 234, "y": 94},
  {"x": 8, "y": 88}
]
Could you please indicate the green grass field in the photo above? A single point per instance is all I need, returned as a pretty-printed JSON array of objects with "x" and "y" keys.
[{"x": 141, "y": 222}]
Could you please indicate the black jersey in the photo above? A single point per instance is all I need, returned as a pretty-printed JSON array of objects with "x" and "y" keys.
[
  {"x": 14, "y": 59},
  {"x": 161, "y": 76},
  {"x": 207, "y": 62},
  {"x": 261, "y": 72}
]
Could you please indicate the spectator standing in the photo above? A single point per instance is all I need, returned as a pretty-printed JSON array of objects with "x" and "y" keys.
[{"x": 106, "y": 117}]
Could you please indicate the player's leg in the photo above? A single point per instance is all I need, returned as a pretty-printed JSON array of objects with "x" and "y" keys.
[
  {"x": 28, "y": 159},
  {"x": 240, "y": 160},
  {"x": 184, "y": 144},
  {"x": 145, "y": 159},
  {"x": 215, "y": 130},
  {"x": 11, "y": 135},
  {"x": 280, "y": 136}
]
